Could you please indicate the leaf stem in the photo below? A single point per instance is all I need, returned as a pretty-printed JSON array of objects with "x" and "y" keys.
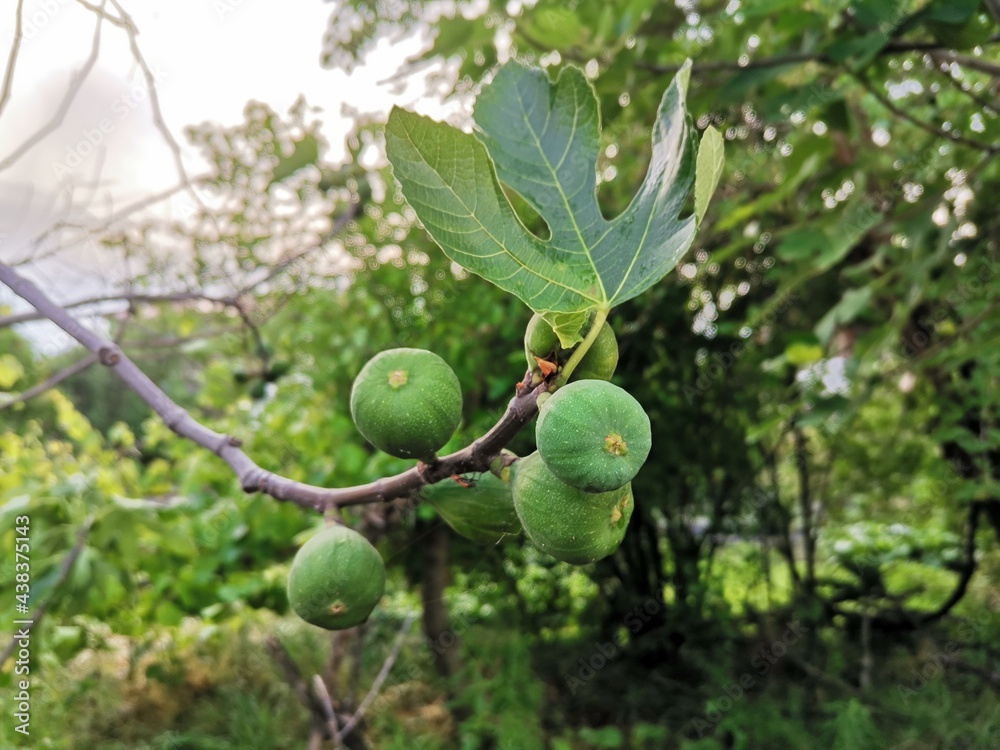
[{"x": 578, "y": 354}]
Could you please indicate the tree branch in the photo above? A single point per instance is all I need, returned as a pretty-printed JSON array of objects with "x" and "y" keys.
[
  {"x": 793, "y": 58},
  {"x": 294, "y": 678},
  {"x": 15, "y": 47},
  {"x": 926, "y": 126},
  {"x": 131, "y": 297},
  {"x": 967, "y": 61},
  {"x": 154, "y": 99},
  {"x": 474, "y": 458},
  {"x": 968, "y": 570},
  {"x": 51, "y": 382},
  {"x": 323, "y": 696},
  {"x": 76, "y": 81},
  {"x": 379, "y": 679},
  {"x": 231, "y": 300}
]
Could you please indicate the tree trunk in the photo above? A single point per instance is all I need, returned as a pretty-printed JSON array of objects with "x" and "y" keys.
[{"x": 443, "y": 640}]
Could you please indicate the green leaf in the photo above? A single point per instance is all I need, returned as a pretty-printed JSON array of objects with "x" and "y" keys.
[
  {"x": 857, "y": 51},
  {"x": 770, "y": 7},
  {"x": 483, "y": 512},
  {"x": 542, "y": 139},
  {"x": 708, "y": 170},
  {"x": 11, "y": 371},
  {"x": 800, "y": 354},
  {"x": 558, "y": 28},
  {"x": 304, "y": 152}
]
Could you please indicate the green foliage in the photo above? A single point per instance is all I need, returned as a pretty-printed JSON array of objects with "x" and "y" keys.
[
  {"x": 548, "y": 155},
  {"x": 827, "y": 345},
  {"x": 480, "y": 507}
]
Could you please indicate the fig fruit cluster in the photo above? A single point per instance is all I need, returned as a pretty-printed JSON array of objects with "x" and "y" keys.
[
  {"x": 407, "y": 403},
  {"x": 542, "y": 343},
  {"x": 574, "y": 495}
]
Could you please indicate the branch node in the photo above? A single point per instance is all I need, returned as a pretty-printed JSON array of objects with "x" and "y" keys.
[
  {"x": 109, "y": 355},
  {"x": 174, "y": 418}
]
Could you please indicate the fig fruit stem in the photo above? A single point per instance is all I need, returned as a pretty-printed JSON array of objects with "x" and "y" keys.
[{"x": 582, "y": 349}]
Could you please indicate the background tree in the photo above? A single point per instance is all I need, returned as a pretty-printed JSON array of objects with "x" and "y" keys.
[{"x": 821, "y": 374}]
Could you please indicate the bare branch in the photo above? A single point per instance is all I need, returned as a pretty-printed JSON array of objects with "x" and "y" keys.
[
  {"x": 474, "y": 458},
  {"x": 377, "y": 684},
  {"x": 51, "y": 382},
  {"x": 968, "y": 567},
  {"x": 990, "y": 676},
  {"x": 323, "y": 696},
  {"x": 170, "y": 342},
  {"x": 294, "y": 678},
  {"x": 794, "y": 58},
  {"x": 967, "y": 61},
  {"x": 64, "y": 571},
  {"x": 926, "y": 126},
  {"x": 15, "y": 47},
  {"x": 103, "y": 14},
  {"x": 131, "y": 297},
  {"x": 154, "y": 99},
  {"x": 76, "y": 81},
  {"x": 233, "y": 300},
  {"x": 111, "y": 220}
]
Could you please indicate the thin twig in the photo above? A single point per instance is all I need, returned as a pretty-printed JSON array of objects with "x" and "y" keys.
[
  {"x": 103, "y": 14},
  {"x": 961, "y": 665},
  {"x": 170, "y": 342},
  {"x": 382, "y": 675},
  {"x": 474, "y": 458},
  {"x": 819, "y": 674},
  {"x": 926, "y": 126},
  {"x": 76, "y": 81},
  {"x": 967, "y": 61},
  {"x": 51, "y": 382},
  {"x": 8, "y": 78},
  {"x": 130, "y": 297},
  {"x": 64, "y": 571},
  {"x": 965, "y": 88},
  {"x": 232, "y": 300},
  {"x": 114, "y": 218},
  {"x": 323, "y": 696},
  {"x": 867, "y": 660},
  {"x": 293, "y": 676},
  {"x": 154, "y": 99},
  {"x": 793, "y": 58}
]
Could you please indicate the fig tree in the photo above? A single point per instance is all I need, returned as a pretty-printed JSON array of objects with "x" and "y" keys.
[
  {"x": 571, "y": 525},
  {"x": 336, "y": 579},
  {"x": 593, "y": 435},
  {"x": 597, "y": 364},
  {"x": 407, "y": 402}
]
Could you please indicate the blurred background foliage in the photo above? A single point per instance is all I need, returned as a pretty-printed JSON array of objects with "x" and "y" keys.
[{"x": 813, "y": 557}]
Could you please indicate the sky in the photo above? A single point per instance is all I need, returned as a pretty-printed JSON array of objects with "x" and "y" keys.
[{"x": 209, "y": 58}]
